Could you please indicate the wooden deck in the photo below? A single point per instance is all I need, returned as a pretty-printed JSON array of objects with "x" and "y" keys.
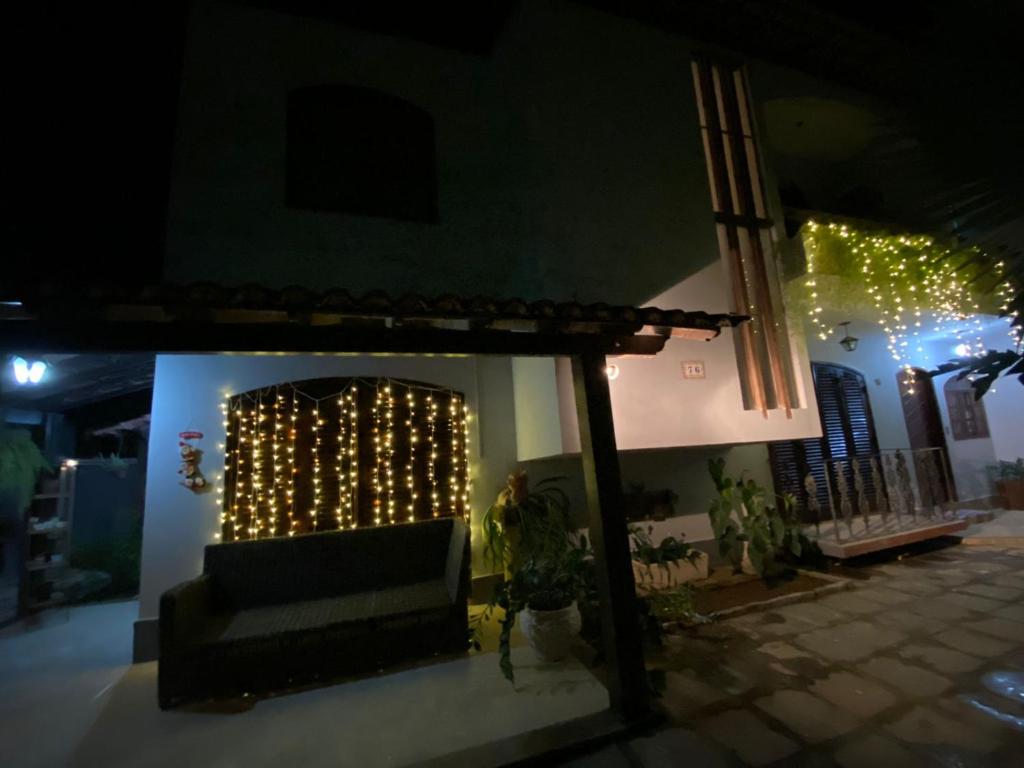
[{"x": 877, "y": 534}]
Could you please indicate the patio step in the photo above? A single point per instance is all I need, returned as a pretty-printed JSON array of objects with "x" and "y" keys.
[{"x": 836, "y": 541}]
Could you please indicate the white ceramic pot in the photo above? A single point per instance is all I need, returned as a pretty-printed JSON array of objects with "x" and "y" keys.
[{"x": 551, "y": 633}]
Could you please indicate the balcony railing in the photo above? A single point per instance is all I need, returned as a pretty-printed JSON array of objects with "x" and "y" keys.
[{"x": 879, "y": 494}]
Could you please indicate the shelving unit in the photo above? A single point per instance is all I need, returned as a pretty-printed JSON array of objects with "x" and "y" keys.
[{"x": 48, "y": 540}]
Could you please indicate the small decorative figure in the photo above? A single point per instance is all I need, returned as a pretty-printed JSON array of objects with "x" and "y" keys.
[{"x": 191, "y": 455}]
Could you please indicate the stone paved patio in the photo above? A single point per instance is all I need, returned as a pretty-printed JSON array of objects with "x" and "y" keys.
[{"x": 887, "y": 674}]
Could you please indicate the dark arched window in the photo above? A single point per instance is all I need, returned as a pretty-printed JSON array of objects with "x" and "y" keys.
[
  {"x": 848, "y": 434},
  {"x": 362, "y": 151}
]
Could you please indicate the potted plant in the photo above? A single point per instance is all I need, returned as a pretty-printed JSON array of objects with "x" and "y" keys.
[
  {"x": 529, "y": 534},
  {"x": 21, "y": 463},
  {"x": 1009, "y": 482},
  {"x": 669, "y": 564},
  {"x": 752, "y": 534}
]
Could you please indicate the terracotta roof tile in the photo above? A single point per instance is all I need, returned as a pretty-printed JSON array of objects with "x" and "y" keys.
[{"x": 62, "y": 298}]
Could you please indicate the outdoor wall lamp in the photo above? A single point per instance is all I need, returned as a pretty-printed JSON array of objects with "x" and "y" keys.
[
  {"x": 611, "y": 371},
  {"x": 26, "y": 372},
  {"x": 848, "y": 342}
]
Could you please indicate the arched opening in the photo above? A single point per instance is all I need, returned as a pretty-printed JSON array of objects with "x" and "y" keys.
[
  {"x": 848, "y": 435},
  {"x": 338, "y": 453}
]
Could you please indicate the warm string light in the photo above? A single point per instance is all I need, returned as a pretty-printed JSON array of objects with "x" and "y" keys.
[
  {"x": 353, "y": 450},
  {"x": 342, "y": 509},
  {"x": 293, "y": 431},
  {"x": 317, "y": 480},
  {"x": 226, "y": 422},
  {"x": 239, "y": 485},
  {"x": 410, "y": 466},
  {"x": 377, "y": 455},
  {"x": 1005, "y": 292},
  {"x": 389, "y": 451},
  {"x": 262, "y": 429},
  {"x": 435, "y": 496},
  {"x": 913, "y": 283},
  {"x": 465, "y": 463},
  {"x": 254, "y": 442},
  {"x": 275, "y": 485},
  {"x": 453, "y": 440}
]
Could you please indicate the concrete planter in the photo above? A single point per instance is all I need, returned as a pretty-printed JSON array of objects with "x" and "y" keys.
[
  {"x": 671, "y": 574},
  {"x": 551, "y": 633}
]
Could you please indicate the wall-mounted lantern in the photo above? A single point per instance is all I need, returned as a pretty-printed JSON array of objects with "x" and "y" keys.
[{"x": 848, "y": 342}]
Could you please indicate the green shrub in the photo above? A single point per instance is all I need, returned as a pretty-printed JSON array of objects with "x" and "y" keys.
[{"x": 742, "y": 520}]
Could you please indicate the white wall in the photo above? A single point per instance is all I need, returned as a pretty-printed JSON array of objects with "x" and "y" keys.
[
  {"x": 188, "y": 391},
  {"x": 535, "y": 388},
  {"x": 682, "y": 470},
  {"x": 655, "y": 407}
]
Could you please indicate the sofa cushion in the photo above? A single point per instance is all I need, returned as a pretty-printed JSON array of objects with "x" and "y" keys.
[
  {"x": 248, "y": 574},
  {"x": 311, "y": 614}
]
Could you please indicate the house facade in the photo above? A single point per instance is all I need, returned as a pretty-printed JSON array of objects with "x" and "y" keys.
[{"x": 571, "y": 156}]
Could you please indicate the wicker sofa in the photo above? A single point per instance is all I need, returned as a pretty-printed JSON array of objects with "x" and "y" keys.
[{"x": 269, "y": 614}]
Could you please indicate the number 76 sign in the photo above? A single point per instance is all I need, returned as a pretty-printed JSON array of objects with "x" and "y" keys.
[{"x": 693, "y": 369}]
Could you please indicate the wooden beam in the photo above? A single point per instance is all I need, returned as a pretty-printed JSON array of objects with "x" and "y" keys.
[
  {"x": 620, "y": 623},
  {"x": 198, "y": 338}
]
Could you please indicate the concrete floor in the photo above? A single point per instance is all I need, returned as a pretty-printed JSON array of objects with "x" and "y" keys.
[
  {"x": 1006, "y": 528},
  {"x": 69, "y": 697},
  {"x": 910, "y": 668},
  {"x": 903, "y": 670}
]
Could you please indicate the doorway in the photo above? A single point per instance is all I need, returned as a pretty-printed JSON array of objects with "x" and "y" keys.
[{"x": 924, "y": 424}]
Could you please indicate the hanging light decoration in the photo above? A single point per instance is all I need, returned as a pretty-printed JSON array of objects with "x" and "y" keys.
[
  {"x": 284, "y": 447},
  {"x": 353, "y": 464},
  {"x": 914, "y": 284}
]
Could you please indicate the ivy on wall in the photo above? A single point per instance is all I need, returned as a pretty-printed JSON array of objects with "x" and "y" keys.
[{"x": 916, "y": 285}]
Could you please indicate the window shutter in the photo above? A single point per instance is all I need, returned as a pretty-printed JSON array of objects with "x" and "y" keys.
[{"x": 848, "y": 432}]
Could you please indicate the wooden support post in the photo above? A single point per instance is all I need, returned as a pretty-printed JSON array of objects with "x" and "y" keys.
[{"x": 620, "y": 624}]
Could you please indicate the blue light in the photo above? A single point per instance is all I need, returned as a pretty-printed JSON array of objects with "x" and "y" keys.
[{"x": 28, "y": 373}]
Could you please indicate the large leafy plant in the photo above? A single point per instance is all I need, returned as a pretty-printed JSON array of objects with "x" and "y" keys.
[
  {"x": 529, "y": 535},
  {"x": 743, "y": 522},
  {"x": 526, "y": 524},
  {"x": 21, "y": 462}
]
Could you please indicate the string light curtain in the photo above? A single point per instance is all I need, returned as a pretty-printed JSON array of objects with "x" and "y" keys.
[
  {"x": 339, "y": 453},
  {"x": 917, "y": 285}
]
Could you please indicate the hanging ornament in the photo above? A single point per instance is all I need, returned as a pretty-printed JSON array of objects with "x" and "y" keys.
[{"x": 191, "y": 455}]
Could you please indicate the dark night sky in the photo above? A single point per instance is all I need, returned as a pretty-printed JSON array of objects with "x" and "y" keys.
[{"x": 91, "y": 92}]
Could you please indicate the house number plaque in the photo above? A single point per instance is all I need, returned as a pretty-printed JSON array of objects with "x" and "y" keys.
[{"x": 693, "y": 369}]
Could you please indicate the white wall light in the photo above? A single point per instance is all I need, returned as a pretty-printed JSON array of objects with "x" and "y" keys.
[
  {"x": 26, "y": 372},
  {"x": 962, "y": 350},
  {"x": 611, "y": 371}
]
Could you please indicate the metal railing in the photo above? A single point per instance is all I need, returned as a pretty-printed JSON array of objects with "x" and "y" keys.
[{"x": 881, "y": 493}]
